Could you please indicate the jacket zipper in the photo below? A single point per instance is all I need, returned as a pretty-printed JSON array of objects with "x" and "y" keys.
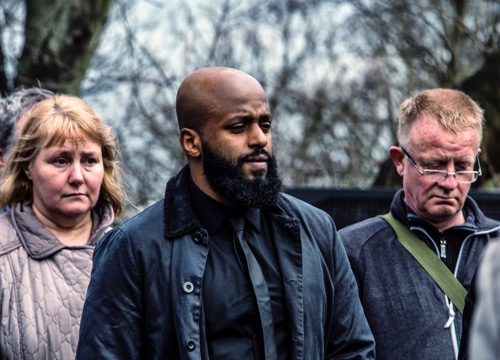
[
  {"x": 450, "y": 323},
  {"x": 442, "y": 244}
]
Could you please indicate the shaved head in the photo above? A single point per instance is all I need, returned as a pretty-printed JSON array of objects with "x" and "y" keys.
[
  {"x": 225, "y": 131},
  {"x": 199, "y": 95}
]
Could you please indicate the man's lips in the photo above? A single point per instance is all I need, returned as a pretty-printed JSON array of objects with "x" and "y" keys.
[
  {"x": 255, "y": 163},
  {"x": 440, "y": 198},
  {"x": 259, "y": 158}
]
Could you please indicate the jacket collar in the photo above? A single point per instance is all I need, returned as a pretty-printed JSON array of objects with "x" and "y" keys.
[
  {"x": 180, "y": 218},
  {"x": 476, "y": 220},
  {"x": 39, "y": 242}
]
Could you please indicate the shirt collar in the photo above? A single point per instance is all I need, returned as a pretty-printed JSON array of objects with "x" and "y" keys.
[
  {"x": 209, "y": 212},
  {"x": 252, "y": 215},
  {"x": 469, "y": 225},
  {"x": 212, "y": 214}
]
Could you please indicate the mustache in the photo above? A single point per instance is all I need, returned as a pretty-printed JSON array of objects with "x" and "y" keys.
[{"x": 258, "y": 154}]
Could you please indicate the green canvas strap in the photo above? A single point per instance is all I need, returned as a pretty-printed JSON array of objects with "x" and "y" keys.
[{"x": 429, "y": 261}]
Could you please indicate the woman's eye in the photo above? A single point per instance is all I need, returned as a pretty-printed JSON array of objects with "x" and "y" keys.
[{"x": 60, "y": 161}]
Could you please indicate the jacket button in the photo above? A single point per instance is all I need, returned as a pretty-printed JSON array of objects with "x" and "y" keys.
[
  {"x": 199, "y": 235},
  {"x": 188, "y": 287},
  {"x": 191, "y": 345}
]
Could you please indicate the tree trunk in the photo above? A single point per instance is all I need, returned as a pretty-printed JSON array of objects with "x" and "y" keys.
[
  {"x": 60, "y": 39},
  {"x": 484, "y": 87}
]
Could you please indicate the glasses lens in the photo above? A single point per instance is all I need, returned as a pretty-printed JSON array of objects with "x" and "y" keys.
[
  {"x": 460, "y": 176},
  {"x": 435, "y": 175},
  {"x": 466, "y": 176}
]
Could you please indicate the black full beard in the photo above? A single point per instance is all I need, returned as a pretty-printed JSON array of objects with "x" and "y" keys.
[{"x": 229, "y": 180}]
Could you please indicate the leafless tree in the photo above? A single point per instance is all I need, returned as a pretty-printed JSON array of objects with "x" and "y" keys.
[
  {"x": 53, "y": 47},
  {"x": 335, "y": 72},
  {"x": 444, "y": 43}
]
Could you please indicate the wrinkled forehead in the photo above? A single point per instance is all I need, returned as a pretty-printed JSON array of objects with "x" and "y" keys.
[{"x": 427, "y": 128}]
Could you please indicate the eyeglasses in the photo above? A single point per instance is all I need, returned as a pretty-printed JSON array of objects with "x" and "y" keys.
[{"x": 464, "y": 177}]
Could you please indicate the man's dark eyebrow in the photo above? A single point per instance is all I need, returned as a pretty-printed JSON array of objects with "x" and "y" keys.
[{"x": 249, "y": 118}]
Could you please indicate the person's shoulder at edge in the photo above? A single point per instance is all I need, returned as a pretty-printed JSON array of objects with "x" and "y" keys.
[
  {"x": 8, "y": 237},
  {"x": 492, "y": 254}
]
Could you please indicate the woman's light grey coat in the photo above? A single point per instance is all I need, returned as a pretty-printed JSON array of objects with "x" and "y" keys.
[{"x": 43, "y": 284}]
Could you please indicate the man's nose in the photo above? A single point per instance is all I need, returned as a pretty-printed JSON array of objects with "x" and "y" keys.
[
  {"x": 257, "y": 136},
  {"x": 449, "y": 180}
]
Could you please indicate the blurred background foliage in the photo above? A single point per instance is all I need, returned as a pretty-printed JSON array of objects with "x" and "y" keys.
[{"x": 335, "y": 72}]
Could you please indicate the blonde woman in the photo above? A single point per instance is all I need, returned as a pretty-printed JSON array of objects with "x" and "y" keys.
[{"x": 63, "y": 189}]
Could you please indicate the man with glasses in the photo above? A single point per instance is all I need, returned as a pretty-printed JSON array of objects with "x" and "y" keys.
[{"x": 411, "y": 313}]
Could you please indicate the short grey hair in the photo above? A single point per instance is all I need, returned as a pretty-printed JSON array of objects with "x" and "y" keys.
[{"x": 11, "y": 109}]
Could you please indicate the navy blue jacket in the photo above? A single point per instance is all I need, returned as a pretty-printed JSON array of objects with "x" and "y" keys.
[
  {"x": 405, "y": 308},
  {"x": 145, "y": 297}
]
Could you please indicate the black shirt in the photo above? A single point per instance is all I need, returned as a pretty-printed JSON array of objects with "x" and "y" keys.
[{"x": 232, "y": 324}]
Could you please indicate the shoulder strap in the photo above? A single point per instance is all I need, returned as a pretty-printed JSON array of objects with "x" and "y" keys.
[{"x": 429, "y": 261}]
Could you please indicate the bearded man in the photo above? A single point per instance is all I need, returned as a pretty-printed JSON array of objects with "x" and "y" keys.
[{"x": 225, "y": 266}]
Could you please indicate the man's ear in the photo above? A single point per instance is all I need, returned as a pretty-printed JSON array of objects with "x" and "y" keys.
[
  {"x": 397, "y": 157},
  {"x": 191, "y": 142}
]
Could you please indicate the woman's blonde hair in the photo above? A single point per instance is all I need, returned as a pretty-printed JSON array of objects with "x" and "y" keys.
[{"x": 50, "y": 123}]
